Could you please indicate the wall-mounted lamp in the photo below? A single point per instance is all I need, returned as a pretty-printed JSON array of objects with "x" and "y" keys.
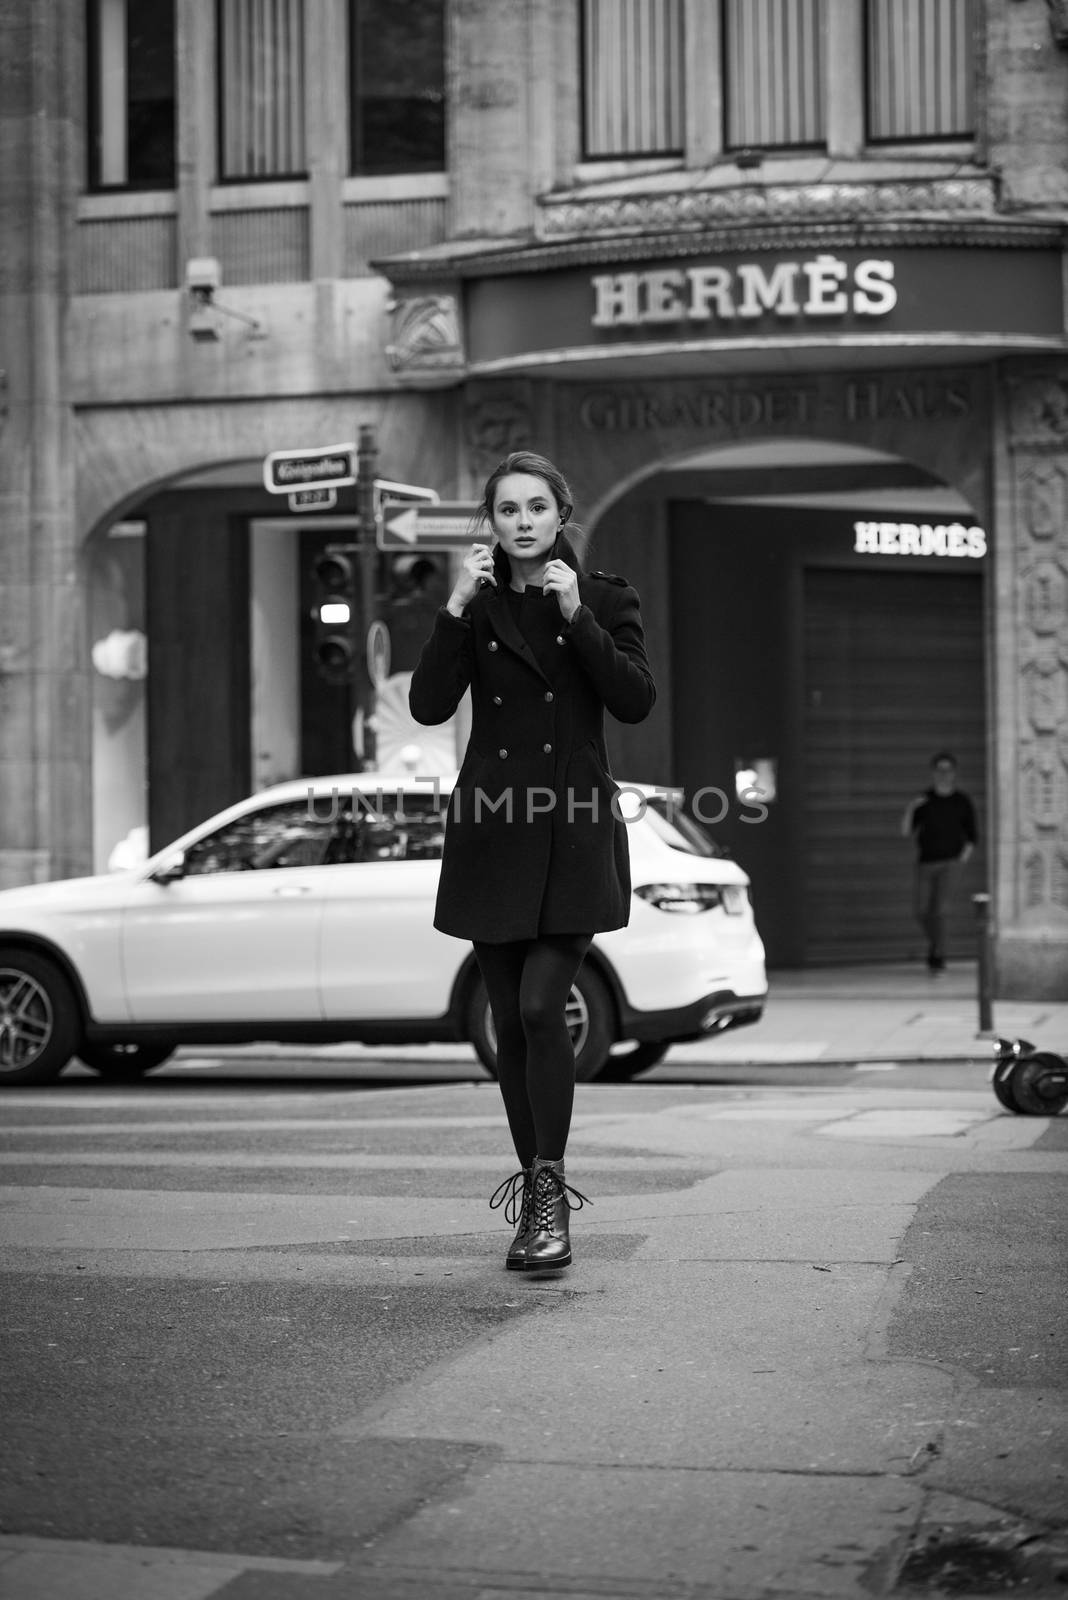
[{"x": 203, "y": 275}]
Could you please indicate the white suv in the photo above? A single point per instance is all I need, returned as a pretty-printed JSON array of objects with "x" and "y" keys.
[{"x": 304, "y": 915}]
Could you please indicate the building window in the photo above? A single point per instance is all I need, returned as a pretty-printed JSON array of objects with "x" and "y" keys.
[
  {"x": 773, "y": 73},
  {"x": 397, "y": 86},
  {"x": 261, "y": 89},
  {"x": 920, "y": 67},
  {"x": 131, "y": 94},
  {"x": 632, "y": 75}
]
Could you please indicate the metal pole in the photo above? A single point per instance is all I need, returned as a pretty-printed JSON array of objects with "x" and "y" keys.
[
  {"x": 981, "y": 902},
  {"x": 366, "y": 464}
]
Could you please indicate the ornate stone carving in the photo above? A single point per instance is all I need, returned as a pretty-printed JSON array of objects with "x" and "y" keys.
[
  {"x": 697, "y": 207},
  {"x": 1044, "y": 693},
  {"x": 1045, "y": 782},
  {"x": 1033, "y": 882},
  {"x": 1058, "y": 889},
  {"x": 1047, "y": 597},
  {"x": 1038, "y": 413},
  {"x": 425, "y": 337},
  {"x": 493, "y": 426},
  {"x": 1042, "y": 500}
]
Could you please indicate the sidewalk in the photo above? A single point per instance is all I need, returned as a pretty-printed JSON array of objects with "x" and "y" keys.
[
  {"x": 880, "y": 1014},
  {"x": 886, "y": 1013}
]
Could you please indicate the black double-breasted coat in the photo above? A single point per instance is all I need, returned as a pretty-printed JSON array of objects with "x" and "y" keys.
[{"x": 532, "y": 843}]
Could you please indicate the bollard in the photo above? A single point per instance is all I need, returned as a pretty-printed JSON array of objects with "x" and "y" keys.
[{"x": 981, "y": 902}]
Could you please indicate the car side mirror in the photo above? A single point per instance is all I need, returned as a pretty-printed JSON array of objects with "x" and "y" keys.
[{"x": 170, "y": 869}]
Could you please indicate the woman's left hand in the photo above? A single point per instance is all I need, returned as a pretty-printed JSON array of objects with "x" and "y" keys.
[{"x": 562, "y": 581}]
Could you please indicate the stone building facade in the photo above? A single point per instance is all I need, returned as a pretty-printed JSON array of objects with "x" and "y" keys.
[{"x": 768, "y": 353}]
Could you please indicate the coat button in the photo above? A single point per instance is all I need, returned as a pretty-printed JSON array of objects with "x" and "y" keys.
[
  {"x": 492, "y": 644},
  {"x": 559, "y": 638},
  {"x": 547, "y": 748},
  {"x": 548, "y": 694},
  {"x": 497, "y": 701},
  {"x": 503, "y": 754}
]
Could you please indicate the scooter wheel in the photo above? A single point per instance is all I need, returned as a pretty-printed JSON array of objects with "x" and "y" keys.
[
  {"x": 1040, "y": 1084},
  {"x": 1001, "y": 1082}
]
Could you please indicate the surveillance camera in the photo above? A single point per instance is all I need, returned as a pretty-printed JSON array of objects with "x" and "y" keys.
[{"x": 203, "y": 275}]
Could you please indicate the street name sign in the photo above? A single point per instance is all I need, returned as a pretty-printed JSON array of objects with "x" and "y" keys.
[
  {"x": 312, "y": 499},
  {"x": 446, "y": 526},
  {"x": 328, "y": 467}
]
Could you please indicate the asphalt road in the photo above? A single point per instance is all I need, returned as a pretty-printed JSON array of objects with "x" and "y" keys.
[{"x": 259, "y": 1342}]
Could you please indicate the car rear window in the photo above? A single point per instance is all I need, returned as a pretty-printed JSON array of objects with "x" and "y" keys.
[{"x": 678, "y": 830}]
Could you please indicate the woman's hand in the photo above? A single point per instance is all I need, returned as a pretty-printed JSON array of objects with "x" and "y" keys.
[
  {"x": 562, "y": 581},
  {"x": 477, "y": 567}
]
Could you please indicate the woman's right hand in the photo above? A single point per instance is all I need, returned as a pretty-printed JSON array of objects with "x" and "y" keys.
[{"x": 477, "y": 568}]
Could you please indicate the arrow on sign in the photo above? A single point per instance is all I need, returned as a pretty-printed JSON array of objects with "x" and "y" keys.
[
  {"x": 402, "y": 526},
  {"x": 428, "y": 527}
]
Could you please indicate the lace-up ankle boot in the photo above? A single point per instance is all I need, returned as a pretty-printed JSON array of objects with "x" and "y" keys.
[
  {"x": 516, "y": 1195},
  {"x": 549, "y": 1245}
]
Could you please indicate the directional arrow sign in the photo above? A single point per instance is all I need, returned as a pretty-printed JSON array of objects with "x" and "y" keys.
[
  {"x": 326, "y": 468},
  {"x": 446, "y": 526}
]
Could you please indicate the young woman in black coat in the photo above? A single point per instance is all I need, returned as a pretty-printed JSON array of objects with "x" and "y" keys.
[{"x": 536, "y": 859}]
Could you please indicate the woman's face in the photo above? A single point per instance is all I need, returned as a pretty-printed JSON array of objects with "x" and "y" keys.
[{"x": 526, "y": 517}]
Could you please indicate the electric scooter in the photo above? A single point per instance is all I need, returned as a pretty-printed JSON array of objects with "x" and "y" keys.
[{"x": 1029, "y": 1082}]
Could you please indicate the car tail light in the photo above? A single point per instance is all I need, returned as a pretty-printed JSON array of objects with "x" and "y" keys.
[{"x": 689, "y": 898}]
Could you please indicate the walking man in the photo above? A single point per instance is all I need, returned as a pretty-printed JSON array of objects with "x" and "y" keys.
[{"x": 942, "y": 822}]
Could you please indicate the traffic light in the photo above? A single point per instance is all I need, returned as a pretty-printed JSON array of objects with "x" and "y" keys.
[
  {"x": 416, "y": 587},
  {"x": 336, "y": 613}
]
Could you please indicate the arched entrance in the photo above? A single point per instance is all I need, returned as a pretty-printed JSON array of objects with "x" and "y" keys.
[
  {"x": 817, "y": 615},
  {"x": 202, "y": 599}
]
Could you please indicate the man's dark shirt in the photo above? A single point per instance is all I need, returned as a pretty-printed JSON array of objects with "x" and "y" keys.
[{"x": 942, "y": 824}]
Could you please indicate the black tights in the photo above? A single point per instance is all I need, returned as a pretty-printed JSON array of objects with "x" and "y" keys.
[{"x": 528, "y": 981}]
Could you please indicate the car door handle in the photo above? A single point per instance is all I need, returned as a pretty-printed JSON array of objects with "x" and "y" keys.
[{"x": 293, "y": 889}]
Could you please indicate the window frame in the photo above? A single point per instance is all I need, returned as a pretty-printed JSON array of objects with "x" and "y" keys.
[
  {"x": 908, "y": 144},
  {"x": 355, "y": 173},
  {"x": 223, "y": 179},
  {"x": 672, "y": 156},
  {"x": 845, "y": 103},
  {"x": 776, "y": 151},
  {"x": 95, "y": 99}
]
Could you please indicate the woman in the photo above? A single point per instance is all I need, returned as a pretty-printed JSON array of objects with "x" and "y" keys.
[{"x": 536, "y": 859}]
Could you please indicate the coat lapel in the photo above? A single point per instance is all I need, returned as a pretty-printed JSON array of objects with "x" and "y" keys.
[
  {"x": 497, "y": 607},
  {"x": 504, "y": 626}
]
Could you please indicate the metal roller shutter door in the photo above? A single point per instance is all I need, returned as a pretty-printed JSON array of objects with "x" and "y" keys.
[{"x": 893, "y": 665}]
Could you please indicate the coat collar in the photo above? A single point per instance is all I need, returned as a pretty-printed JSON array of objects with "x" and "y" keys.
[
  {"x": 500, "y": 612},
  {"x": 562, "y": 550}
]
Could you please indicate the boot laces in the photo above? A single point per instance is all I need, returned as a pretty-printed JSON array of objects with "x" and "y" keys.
[
  {"x": 514, "y": 1195},
  {"x": 549, "y": 1188}
]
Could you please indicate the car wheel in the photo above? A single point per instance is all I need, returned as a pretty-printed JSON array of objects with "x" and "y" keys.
[
  {"x": 589, "y": 1022},
  {"x": 631, "y": 1059},
  {"x": 123, "y": 1061},
  {"x": 38, "y": 1018}
]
